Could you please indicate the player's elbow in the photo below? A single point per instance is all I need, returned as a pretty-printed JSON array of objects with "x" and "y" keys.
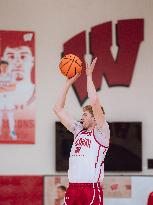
[{"x": 56, "y": 110}]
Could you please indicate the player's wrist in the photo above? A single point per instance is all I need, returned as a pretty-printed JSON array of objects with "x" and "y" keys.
[
  {"x": 89, "y": 76},
  {"x": 67, "y": 85}
]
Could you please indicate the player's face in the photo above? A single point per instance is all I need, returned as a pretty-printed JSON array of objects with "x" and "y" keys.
[
  {"x": 20, "y": 60},
  {"x": 87, "y": 119},
  {"x": 3, "y": 68}
]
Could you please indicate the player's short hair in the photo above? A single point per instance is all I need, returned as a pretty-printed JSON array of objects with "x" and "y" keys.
[
  {"x": 3, "y": 62},
  {"x": 63, "y": 188},
  {"x": 89, "y": 109}
]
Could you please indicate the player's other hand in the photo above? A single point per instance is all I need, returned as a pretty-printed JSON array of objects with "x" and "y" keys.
[
  {"x": 70, "y": 81},
  {"x": 90, "y": 67}
]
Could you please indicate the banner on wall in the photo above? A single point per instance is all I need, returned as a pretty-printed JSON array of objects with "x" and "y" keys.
[
  {"x": 118, "y": 71},
  {"x": 54, "y": 189},
  {"x": 141, "y": 191},
  {"x": 117, "y": 187},
  {"x": 113, "y": 187},
  {"x": 21, "y": 190},
  {"x": 17, "y": 87},
  {"x": 118, "y": 190}
]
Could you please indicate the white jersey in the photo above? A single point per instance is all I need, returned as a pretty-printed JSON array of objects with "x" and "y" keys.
[
  {"x": 6, "y": 80},
  {"x": 6, "y": 97},
  {"x": 86, "y": 162}
]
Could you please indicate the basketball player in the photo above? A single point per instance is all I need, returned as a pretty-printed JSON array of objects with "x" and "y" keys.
[
  {"x": 91, "y": 142},
  {"x": 7, "y": 86}
]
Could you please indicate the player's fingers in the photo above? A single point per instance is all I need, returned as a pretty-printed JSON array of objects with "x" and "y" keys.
[
  {"x": 94, "y": 61},
  {"x": 75, "y": 77}
]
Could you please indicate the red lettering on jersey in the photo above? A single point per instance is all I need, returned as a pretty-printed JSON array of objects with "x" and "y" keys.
[
  {"x": 77, "y": 149},
  {"x": 88, "y": 133},
  {"x": 83, "y": 142}
]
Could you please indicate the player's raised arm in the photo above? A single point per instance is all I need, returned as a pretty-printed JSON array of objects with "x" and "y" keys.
[
  {"x": 93, "y": 96},
  {"x": 59, "y": 110}
]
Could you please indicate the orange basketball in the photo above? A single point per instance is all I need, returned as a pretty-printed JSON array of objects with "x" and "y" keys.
[{"x": 70, "y": 65}]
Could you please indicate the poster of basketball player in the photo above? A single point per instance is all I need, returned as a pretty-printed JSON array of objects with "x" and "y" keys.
[{"x": 17, "y": 87}]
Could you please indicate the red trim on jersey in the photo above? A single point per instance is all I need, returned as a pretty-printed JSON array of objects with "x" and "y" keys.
[
  {"x": 102, "y": 163},
  {"x": 104, "y": 150},
  {"x": 78, "y": 134},
  {"x": 99, "y": 142},
  {"x": 97, "y": 157},
  {"x": 100, "y": 171},
  {"x": 90, "y": 184},
  {"x": 99, "y": 175}
]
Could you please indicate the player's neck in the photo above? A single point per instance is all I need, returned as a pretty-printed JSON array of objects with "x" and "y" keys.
[{"x": 90, "y": 128}]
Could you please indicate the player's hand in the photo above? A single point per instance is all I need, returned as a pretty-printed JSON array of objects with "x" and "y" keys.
[
  {"x": 90, "y": 67},
  {"x": 70, "y": 81}
]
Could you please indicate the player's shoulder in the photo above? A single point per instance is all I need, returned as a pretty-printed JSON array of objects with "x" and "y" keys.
[
  {"x": 104, "y": 129},
  {"x": 104, "y": 126},
  {"x": 76, "y": 127},
  {"x": 102, "y": 134}
]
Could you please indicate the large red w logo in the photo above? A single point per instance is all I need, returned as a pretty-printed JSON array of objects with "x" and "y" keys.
[{"x": 117, "y": 72}]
